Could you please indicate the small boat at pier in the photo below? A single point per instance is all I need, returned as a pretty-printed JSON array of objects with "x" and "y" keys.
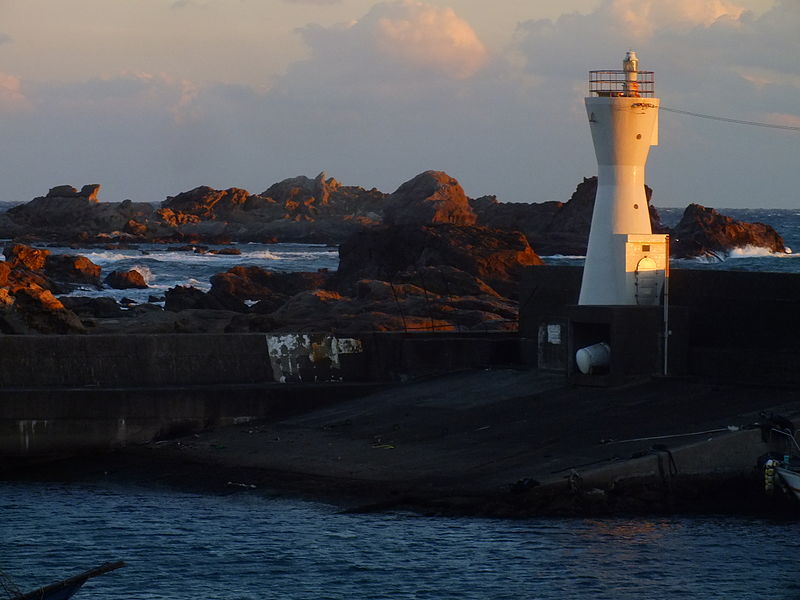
[
  {"x": 791, "y": 479},
  {"x": 60, "y": 590}
]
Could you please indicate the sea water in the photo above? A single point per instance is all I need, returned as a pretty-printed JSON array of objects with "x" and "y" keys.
[{"x": 251, "y": 546}]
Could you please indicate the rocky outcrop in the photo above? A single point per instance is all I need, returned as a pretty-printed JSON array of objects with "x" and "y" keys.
[
  {"x": 72, "y": 270},
  {"x": 429, "y": 198},
  {"x": 26, "y": 257},
  {"x": 57, "y": 272},
  {"x": 204, "y": 203},
  {"x": 125, "y": 280},
  {"x": 553, "y": 227},
  {"x": 182, "y": 298},
  {"x": 86, "y": 307},
  {"x": 321, "y": 210},
  {"x": 383, "y": 306},
  {"x": 494, "y": 256},
  {"x": 705, "y": 232},
  {"x": 270, "y": 288},
  {"x": 68, "y": 214},
  {"x": 26, "y": 306}
]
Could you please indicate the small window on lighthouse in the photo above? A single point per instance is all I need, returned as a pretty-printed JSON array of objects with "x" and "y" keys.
[{"x": 638, "y": 136}]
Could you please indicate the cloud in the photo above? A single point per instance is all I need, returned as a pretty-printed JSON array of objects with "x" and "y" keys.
[
  {"x": 5, "y": 38},
  {"x": 398, "y": 38},
  {"x": 178, "y": 4},
  {"x": 709, "y": 57},
  {"x": 644, "y": 17},
  {"x": 409, "y": 87},
  {"x": 787, "y": 120},
  {"x": 11, "y": 94},
  {"x": 123, "y": 94},
  {"x": 314, "y": 2}
]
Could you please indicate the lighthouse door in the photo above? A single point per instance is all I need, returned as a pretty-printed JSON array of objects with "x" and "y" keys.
[{"x": 647, "y": 281}]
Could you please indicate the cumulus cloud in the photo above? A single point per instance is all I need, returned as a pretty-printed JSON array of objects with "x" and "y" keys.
[
  {"x": 643, "y": 17},
  {"x": 401, "y": 37}
]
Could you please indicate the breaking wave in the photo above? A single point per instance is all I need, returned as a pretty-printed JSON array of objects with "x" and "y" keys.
[{"x": 758, "y": 251}]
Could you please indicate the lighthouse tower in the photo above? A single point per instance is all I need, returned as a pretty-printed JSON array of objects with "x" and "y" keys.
[{"x": 625, "y": 263}]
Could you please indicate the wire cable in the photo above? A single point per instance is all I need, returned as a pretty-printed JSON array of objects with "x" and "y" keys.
[{"x": 727, "y": 120}]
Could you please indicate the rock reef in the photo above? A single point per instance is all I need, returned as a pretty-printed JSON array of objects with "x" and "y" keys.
[
  {"x": 425, "y": 257},
  {"x": 321, "y": 210}
]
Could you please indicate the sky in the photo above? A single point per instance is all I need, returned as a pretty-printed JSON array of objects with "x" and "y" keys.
[{"x": 150, "y": 98}]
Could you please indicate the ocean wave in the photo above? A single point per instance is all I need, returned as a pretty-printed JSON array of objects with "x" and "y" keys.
[
  {"x": 264, "y": 254},
  {"x": 759, "y": 252},
  {"x": 145, "y": 271},
  {"x": 106, "y": 256}
]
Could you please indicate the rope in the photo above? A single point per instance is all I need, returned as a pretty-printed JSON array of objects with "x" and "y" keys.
[
  {"x": 727, "y": 120},
  {"x": 664, "y": 437},
  {"x": 787, "y": 434}
]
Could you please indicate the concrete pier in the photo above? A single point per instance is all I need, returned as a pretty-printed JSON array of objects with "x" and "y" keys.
[{"x": 64, "y": 395}]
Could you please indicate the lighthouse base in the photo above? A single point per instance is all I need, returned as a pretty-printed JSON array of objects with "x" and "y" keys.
[{"x": 635, "y": 336}]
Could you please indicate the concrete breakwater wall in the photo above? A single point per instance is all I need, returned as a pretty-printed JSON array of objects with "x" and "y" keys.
[
  {"x": 66, "y": 394},
  {"x": 733, "y": 325}
]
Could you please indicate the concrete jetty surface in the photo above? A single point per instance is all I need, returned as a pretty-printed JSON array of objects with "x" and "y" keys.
[{"x": 499, "y": 442}]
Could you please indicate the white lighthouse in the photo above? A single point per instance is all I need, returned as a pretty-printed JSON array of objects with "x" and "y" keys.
[{"x": 625, "y": 263}]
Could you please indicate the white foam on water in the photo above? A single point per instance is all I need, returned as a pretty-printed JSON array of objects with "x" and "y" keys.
[
  {"x": 145, "y": 272},
  {"x": 758, "y": 252},
  {"x": 261, "y": 254}
]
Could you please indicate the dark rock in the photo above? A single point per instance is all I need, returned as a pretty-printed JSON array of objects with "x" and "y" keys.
[
  {"x": 553, "y": 227},
  {"x": 227, "y": 252},
  {"x": 530, "y": 218},
  {"x": 251, "y": 323},
  {"x": 88, "y": 192},
  {"x": 156, "y": 298},
  {"x": 83, "y": 306},
  {"x": 206, "y": 203},
  {"x": 125, "y": 280},
  {"x": 494, "y": 256},
  {"x": 255, "y": 283},
  {"x": 69, "y": 269},
  {"x": 68, "y": 214},
  {"x": 430, "y": 197},
  {"x": 182, "y": 298},
  {"x": 302, "y": 195},
  {"x": 384, "y": 306},
  {"x": 134, "y": 227},
  {"x": 20, "y": 255},
  {"x": 704, "y": 231},
  {"x": 41, "y": 312}
]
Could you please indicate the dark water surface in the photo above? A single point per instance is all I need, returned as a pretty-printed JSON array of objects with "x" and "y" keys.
[{"x": 247, "y": 546}]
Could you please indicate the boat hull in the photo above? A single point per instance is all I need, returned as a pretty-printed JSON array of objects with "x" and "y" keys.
[{"x": 791, "y": 479}]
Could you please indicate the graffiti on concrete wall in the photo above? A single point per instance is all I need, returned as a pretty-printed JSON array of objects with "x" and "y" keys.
[{"x": 302, "y": 357}]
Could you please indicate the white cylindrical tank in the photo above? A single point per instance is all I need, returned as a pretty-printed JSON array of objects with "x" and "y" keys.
[
  {"x": 623, "y": 117},
  {"x": 593, "y": 357}
]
